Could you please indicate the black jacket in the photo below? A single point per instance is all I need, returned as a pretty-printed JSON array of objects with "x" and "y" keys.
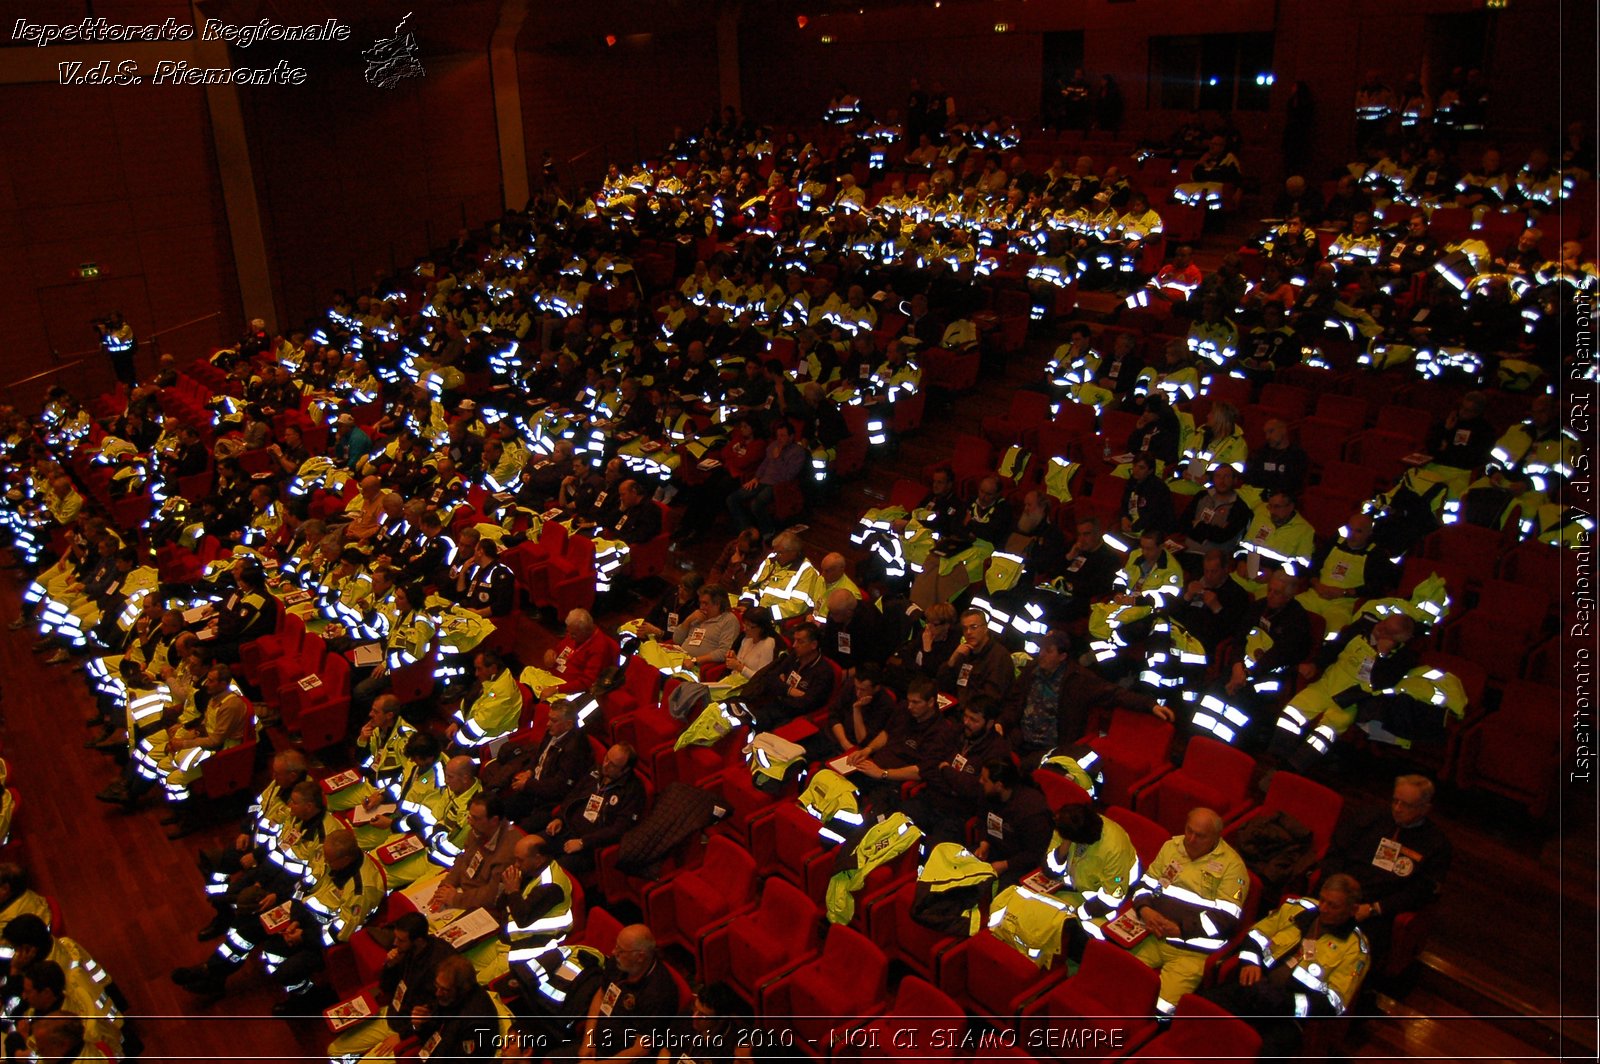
[
  {"x": 1412, "y": 882},
  {"x": 412, "y": 978},
  {"x": 599, "y": 813},
  {"x": 461, "y": 1030},
  {"x": 1017, "y": 831},
  {"x": 1290, "y": 629}
]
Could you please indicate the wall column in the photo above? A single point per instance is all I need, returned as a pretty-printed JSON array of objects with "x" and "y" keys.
[
  {"x": 503, "y": 77},
  {"x": 728, "y": 55},
  {"x": 237, "y": 177}
]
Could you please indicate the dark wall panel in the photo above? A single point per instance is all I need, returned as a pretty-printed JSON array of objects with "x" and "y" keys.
[
  {"x": 356, "y": 178},
  {"x": 789, "y": 77},
  {"x": 125, "y": 178},
  {"x": 589, "y": 104}
]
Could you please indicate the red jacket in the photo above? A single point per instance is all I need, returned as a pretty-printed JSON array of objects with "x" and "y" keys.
[
  {"x": 580, "y": 665},
  {"x": 743, "y": 457}
]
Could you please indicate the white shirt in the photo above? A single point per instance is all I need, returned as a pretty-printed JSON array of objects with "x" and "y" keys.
[{"x": 755, "y": 654}]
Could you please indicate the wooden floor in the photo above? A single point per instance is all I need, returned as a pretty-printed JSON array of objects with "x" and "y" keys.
[{"x": 133, "y": 897}]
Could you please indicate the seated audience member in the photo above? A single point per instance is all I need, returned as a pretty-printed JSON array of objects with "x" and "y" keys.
[
  {"x": 1212, "y": 606},
  {"x": 459, "y": 1015},
  {"x": 531, "y": 778},
  {"x": 535, "y": 901},
  {"x": 1219, "y": 517},
  {"x": 929, "y": 647},
  {"x": 636, "y": 1005},
  {"x": 835, "y": 577},
  {"x": 1048, "y": 705},
  {"x": 915, "y": 738},
  {"x": 952, "y": 789},
  {"x": 1463, "y": 439},
  {"x": 738, "y": 560},
  {"x": 17, "y": 898},
  {"x": 1014, "y": 821},
  {"x": 473, "y": 878},
  {"x": 852, "y": 634},
  {"x": 1191, "y": 898},
  {"x": 1274, "y": 637},
  {"x": 84, "y": 984},
  {"x": 1146, "y": 499},
  {"x": 1097, "y": 865},
  {"x": 1277, "y": 537},
  {"x": 797, "y": 682},
  {"x": 680, "y": 600},
  {"x": 1089, "y": 569},
  {"x": 1279, "y": 464},
  {"x": 491, "y": 707},
  {"x": 43, "y": 997},
  {"x": 405, "y": 985},
  {"x": 1359, "y": 679},
  {"x": 980, "y": 666},
  {"x": 292, "y": 929},
  {"x": 582, "y": 655},
  {"x": 786, "y": 584},
  {"x": 758, "y": 644},
  {"x": 1303, "y": 962},
  {"x": 751, "y": 504},
  {"x": 598, "y": 812},
  {"x": 490, "y": 590},
  {"x": 1345, "y": 572},
  {"x": 1399, "y": 856},
  {"x": 860, "y": 709}
]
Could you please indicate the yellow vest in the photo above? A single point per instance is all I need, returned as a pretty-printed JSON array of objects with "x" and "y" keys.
[
  {"x": 950, "y": 866},
  {"x": 1095, "y": 877},
  {"x": 1215, "y": 886},
  {"x": 1030, "y": 923},
  {"x": 1328, "y": 966}
]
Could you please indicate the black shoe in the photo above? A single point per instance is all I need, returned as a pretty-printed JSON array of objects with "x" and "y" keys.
[
  {"x": 192, "y": 974},
  {"x": 214, "y": 929},
  {"x": 180, "y": 828},
  {"x": 207, "y": 992},
  {"x": 171, "y": 818},
  {"x": 115, "y": 792},
  {"x": 306, "y": 1005},
  {"x": 116, "y": 740}
]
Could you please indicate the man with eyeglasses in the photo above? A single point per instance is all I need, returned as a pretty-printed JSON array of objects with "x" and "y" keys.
[
  {"x": 1399, "y": 856},
  {"x": 637, "y": 1004},
  {"x": 979, "y": 665}
]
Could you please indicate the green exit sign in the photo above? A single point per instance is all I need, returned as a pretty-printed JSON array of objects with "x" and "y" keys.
[{"x": 88, "y": 270}]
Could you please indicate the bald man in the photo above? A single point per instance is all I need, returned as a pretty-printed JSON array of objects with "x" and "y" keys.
[
  {"x": 835, "y": 577},
  {"x": 853, "y": 631},
  {"x": 1347, "y": 571},
  {"x": 637, "y": 1003},
  {"x": 1191, "y": 899},
  {"x": 536, "y": 897},
  {"x": 365, "y": 510}
]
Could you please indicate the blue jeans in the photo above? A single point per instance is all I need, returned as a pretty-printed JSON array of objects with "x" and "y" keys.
[{"x": 752, "y": 507}]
